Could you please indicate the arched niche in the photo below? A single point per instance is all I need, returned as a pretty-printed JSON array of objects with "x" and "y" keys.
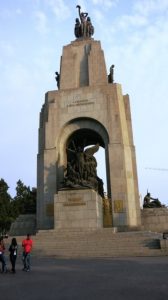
[{"x": 82, "y": 132}]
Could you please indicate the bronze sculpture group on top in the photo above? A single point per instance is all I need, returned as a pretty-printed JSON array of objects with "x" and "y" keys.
[{"x": 83, "y": 27}]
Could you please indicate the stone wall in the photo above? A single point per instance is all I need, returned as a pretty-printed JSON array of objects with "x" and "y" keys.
[
  {"x": 23, "y": 224},
  {"x": 164, "y": 246},
  {"x": 155, "y": 219}
]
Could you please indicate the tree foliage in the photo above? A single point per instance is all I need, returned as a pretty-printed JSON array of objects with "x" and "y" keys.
[
  {"x": 10, "y": 208},
  {"x": 6, "y": 216},
  {"x": 25, "y": 200}
]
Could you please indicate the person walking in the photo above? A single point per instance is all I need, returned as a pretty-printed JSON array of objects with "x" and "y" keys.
[
  {"x": 27, "y": 245},
  {"x": 2, "y": 255},
  {"x": 13, "y": 254}
]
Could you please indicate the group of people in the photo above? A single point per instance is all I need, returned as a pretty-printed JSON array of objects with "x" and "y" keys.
[{"x": 27, "y": 245}]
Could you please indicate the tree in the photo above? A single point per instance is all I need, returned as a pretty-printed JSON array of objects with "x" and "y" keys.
[
  {"x": 25, "y": 200},
  {"x": 6, "y": 215},
  {"x": 23, "y": 203}
]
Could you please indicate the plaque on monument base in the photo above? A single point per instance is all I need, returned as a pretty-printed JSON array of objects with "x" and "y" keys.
[{"x": 78, "y": 208}]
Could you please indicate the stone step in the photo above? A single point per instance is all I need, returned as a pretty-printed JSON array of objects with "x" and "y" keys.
[
  {"x": 101, "y": 240},
  {"x": 94, "y": 243},
  {"x": 102, "y": 253},
  {"x": 102, "y": 234},
  {"x": 95, "y": 233}
]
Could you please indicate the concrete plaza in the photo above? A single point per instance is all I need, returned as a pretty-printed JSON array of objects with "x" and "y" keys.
[{"x": 111, "y": 278}]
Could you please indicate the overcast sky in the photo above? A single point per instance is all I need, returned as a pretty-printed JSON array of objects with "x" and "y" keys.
[{"x": 134, "y": 37}]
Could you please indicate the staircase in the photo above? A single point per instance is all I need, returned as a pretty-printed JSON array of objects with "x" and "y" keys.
[{"x": 95, "y": 243}]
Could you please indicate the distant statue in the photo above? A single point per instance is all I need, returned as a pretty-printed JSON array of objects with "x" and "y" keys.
[
  {"x": 77, "y": 29},
  {"x": 82, "y": 169},
  {"x": 84, "y": 27},
  {"x": 83, "y": 19},
  {"x": 111, "y": 75},
  {"x": 57, "y": 78},
  {"x": 150, "y": 204},
  {"x": 90, "y": 28}
]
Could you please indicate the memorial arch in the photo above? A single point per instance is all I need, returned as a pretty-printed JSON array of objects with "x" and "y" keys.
[{"x": 88, "y": 108}]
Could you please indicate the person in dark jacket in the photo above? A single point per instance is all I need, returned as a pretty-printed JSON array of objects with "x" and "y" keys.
[{"x": 13, "y": 254}]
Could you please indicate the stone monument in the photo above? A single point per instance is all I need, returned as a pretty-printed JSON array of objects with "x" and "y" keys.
[{"x": 88, "y": 109}]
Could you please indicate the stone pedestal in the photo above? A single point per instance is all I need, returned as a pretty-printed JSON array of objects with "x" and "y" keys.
[
  {"x": 164, "y": 246},
  {"x": 78, "y": 209},
  {"x": 155, "y": 219}
]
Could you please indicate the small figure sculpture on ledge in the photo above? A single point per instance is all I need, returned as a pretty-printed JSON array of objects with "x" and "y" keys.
[
  {"x": 82, "y": 169},
  {"x": 84, "y": 28},
  {"x": 57, "y": 78},
  {"x": 111, "y": 75},
  {"x": 151, "y": 204}
]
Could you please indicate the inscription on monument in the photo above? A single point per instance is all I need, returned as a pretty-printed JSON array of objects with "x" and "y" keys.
[
  {"x": 80, "y": 102},
  {"x": 74, "y": 202},
  {"x": 75, "y": 199}
]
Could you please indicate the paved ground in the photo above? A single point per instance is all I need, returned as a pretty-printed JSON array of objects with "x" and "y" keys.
[{"x": 61, "y": 279}]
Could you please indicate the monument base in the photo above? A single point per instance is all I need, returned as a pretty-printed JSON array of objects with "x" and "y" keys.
[
  {"x": 155, "y": 219},
  {"x": 78, "y": 209}
]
